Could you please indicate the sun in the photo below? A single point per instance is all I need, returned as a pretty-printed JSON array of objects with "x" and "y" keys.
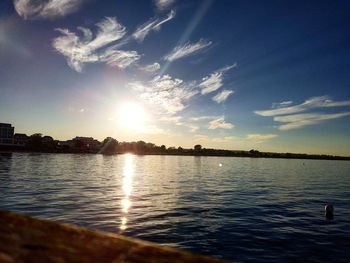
[{"x": 132, "y": 116}]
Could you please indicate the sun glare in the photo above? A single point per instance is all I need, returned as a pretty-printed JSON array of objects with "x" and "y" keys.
[{"x": 132, "y": 116}]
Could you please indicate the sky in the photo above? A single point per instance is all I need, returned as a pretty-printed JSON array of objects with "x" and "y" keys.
[{"x": 239, "y": 75}]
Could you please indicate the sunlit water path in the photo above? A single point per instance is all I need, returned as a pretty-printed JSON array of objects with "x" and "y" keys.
[{"x": 234, "y": 208}]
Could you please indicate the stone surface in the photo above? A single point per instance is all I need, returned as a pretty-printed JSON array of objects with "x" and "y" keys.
[{"x": 26, "y": 239}]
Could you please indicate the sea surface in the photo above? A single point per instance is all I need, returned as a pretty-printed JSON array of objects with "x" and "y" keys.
[{"x": 242, "y": 209}]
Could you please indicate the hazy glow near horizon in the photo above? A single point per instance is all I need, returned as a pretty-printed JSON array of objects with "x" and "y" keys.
[{"x": 131, "y": 116}]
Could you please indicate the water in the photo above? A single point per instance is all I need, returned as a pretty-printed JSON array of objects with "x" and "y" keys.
[{"x": 234, "y": 208}]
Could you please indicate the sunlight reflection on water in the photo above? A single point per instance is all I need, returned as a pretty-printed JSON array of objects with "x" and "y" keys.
[
  {"x": 127, "y": 189},
  {"x": 245, "y": 209}
]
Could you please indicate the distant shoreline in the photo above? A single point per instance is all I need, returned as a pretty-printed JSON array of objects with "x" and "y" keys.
[{"x": 211, "y": 153}]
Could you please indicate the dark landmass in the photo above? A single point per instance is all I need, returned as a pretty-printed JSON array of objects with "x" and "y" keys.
[
  {"x": 26, "y": 239},
  {"x": 110, "y": 146}
]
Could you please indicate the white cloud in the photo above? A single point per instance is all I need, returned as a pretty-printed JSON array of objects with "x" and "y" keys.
[
  {"x": 166, "y": 93},
  {"x": 86, "y": 49},
  {"x": 225, "y": 139},
  {"x": 200, "y": 137},
  {"x": 187, "y": 50},
  {"x": 152, "y": 67},
  {"x": 163, "y": 4},
  {"x": 206, "y": 139},
  {"x": 214, "y": 81},
  {"x": 33, "y": 9},
  {"x": 281, "y": 104},
  {"x": 193, "y": 128},
  {"x": 172, "y": 119},
  {"x": 119, "y": 58},
  {"x": 297, "y": 121},
  {"x": 201, "y": 118},
  {"x": 294, "y": 119},
  {"x": 222, "y": 96},
  {"x": 315, "y": 102},
  {"x": 152, "y": 25},
  {"x": 220, "y": 124},
  {"x": 260, "y": 138}
]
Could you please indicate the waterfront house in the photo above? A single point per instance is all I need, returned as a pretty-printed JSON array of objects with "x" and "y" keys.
[{"x": 20, "y": 139}]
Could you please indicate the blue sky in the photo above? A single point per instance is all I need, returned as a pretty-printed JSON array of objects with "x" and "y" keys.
[{"x": 268, "y": 75}]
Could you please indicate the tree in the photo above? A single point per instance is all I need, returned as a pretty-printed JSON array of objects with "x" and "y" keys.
[
  {"x": 109, "y": 146},
  {"x": 140, "y": 147},
  {"x": 35, "y": 142},
  {"x": 163, "y": 148},
  {"x": 197, "y": 147}
]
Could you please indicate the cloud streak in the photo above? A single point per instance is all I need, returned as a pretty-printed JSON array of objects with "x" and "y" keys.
[
  {"x": 152, "y": 25},
  {"x": 222, "y": 96},
  {"x": 187, "y": 49},
  {"x": 165, "y": 92},
  {"x": 294, "y": 116},
  {"x": 152, "y": 67},
  {"x": 260, "y": 138},
  {"x": 206, "y": 139},
  {"x": 36, "y": 9},
  {"x": 220, "y": 124},
  {"x": 214, "y": 81},
  {"x": 201, "y": 118},
  {"x": 86, "y": 49},
  {"x": 315, "y": 102},
  {"x": 297, "y": 121},
  {"x": 162, "y": 5}
]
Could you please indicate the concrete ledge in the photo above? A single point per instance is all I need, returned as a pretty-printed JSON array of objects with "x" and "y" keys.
[{"x": 26, "y": 239}]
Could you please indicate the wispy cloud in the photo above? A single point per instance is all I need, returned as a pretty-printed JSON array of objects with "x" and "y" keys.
[
  {"x": 152, "y": 25},
  {"x": 200, "y": 137},
  {"x": 315, "y": 102},
  {"x": 170, "y": 95},
  {"x": 296, "y": 121},
  {"x": 281, "y": 104},
  {"x": 152, "y": 67},
  {"x": 260, "y": 138},
  {"x": 220, "y": 124},
  {"x": 187, "y": 50},
  {"x": 205, "y": 139},
  {"x": 214, "y": 81},
  {"x": 172, "y": 119},
  {"x": 167, "y": 93},
  {"x": 201, "y": 118},
  {"x": 222, "y": 96},
  {"x": 119, "y": 58},
  {"x": 162, "y": 5},
  {"x": 193, "y": 128},
  {"x": 34, "y": 9},
  {"x": 86, "y": 49}
]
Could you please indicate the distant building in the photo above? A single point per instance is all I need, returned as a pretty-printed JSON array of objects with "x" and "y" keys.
[
  {"x": 47, "y": 140},
  {"x": 66, "y": 144},
  {"x": 6, "y": 134},
  {"x": 87, "y": 143},
  {"x": 20, "y": 139}
]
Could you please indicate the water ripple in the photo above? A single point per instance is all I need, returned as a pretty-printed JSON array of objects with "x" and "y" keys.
[{"x": 247, "y": 210}]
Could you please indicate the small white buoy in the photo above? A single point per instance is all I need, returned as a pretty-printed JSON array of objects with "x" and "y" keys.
[
  {"x": 329, "y": 211},
  {"x": 220, "y": 164}
]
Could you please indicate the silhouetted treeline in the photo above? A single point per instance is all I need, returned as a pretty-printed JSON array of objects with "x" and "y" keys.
[{"x": 39, "y": 143}]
